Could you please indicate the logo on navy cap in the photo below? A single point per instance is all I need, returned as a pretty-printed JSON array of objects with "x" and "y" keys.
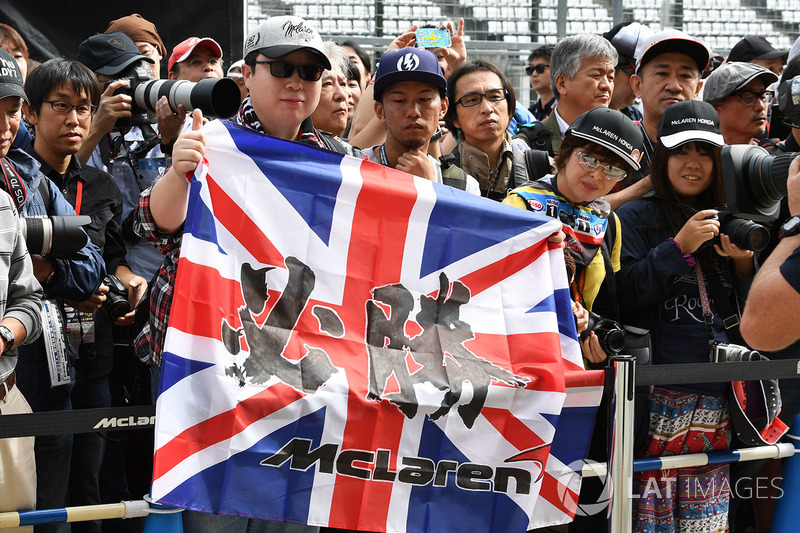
[{"x": 409, "y": 61}]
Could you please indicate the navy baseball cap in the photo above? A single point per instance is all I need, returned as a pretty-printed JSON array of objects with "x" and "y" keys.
[
  {"x": 109, "y": 53},
  {"x": 11, "y": 83},
  {"x": 409, "y": 64}
]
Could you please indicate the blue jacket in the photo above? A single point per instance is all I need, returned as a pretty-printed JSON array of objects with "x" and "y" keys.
[{"x": 74, "y": 279}]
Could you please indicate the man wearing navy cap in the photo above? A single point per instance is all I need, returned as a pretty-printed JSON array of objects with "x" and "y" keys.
[{"x": 410, "y": 100}]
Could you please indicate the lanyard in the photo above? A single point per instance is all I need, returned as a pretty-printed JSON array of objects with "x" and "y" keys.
[
  {"x": 14, "y": 183},
  {"x": 78, "y": 197},
  {"x": 382, "y": 155}
]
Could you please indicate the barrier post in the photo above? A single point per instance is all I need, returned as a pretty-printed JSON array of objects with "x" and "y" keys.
[
  {"x": 163, "y": 519},
  {"x": 785, "y": 518},
  {"x": 621, "y": 453}
]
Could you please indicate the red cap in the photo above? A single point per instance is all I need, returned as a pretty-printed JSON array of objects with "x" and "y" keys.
[{"x": 185, "y": 49}]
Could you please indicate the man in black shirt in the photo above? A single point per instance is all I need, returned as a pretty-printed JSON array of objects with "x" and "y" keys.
[{"x": 60, "y": 109}]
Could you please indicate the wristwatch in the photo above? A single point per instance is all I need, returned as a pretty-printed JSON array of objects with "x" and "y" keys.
[
  {"x": 790, "y": 227},
  {"x": 7, "y": 336}
]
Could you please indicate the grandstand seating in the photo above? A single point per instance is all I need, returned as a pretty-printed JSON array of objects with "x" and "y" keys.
[{"x": 719, "y": 22}]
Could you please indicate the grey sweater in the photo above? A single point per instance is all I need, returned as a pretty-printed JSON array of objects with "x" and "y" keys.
[{"x": 20, "y": 293}]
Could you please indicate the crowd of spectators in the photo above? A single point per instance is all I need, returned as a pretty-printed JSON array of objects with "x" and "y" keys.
[{"x": 622, "y": 145}]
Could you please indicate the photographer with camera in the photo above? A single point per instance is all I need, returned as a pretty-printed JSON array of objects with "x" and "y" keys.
[
  {"x": 43, "y": 372},
  {"x": 765, "y": 324},
  {"x": 60, "y": 94},
  {"x": 683, "y": 279}
]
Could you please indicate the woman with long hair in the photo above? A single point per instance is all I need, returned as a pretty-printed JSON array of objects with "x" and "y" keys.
[{"x": 683, "y": 279}]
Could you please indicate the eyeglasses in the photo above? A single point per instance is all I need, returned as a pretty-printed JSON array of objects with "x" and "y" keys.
[
  {"x": 65, "y": 108},
  {"x": 591, "y": 164},
  {"x": 282, "y": 69},
  {"x": 750, "y": 97},
  {"x": 492, "y": 96},
  {"x": 147, "y": 50},
  {"x": 536, "y": 68}
]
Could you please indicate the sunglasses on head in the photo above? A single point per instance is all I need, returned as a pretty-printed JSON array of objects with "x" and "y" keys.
[
  {"x": 282, "y": 69},
  {"x": 536, "y": 68}
]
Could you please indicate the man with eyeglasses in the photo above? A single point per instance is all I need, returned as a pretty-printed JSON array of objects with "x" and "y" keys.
[
  {"x": 539, "y": 71},
  {"x": 77, "y": 279},
  {"x": 195, "y": 59},
  {"x": 143, "y": 33},
  {"x": 738, "y": 91},
  {"x": 483, "y": 102},
  {"x": 410, "y": 99},
  {"x": 60, "y": 94}
]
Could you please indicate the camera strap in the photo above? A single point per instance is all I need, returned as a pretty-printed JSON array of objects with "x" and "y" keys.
[
  {"x": 79, "y": 197},
  {"x": 729, "y": 315},
  {"x": 14, "y": 184}
]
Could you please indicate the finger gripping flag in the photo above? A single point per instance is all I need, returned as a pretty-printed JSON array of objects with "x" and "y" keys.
[{"x": 354, "y": 347}]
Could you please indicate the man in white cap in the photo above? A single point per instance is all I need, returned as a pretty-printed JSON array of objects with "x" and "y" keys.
[
  {"x": 739, "y": 92},
  {"x": 195, "y": 59},
  {"x": 284, "y": 59},
  {"x": 669, "y": 65}
]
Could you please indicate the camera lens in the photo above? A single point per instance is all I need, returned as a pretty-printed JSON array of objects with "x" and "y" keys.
[{"x": 746, "y": 234}]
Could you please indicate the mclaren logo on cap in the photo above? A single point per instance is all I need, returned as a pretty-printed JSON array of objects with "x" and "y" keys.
[
  {"x": 636, "y": 155},
  {"x": 117, "y": 43},
  {"x": 409, "y": 61}
]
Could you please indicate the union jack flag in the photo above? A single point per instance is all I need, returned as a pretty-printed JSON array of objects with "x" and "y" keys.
[{"x": 354, "y": 347}]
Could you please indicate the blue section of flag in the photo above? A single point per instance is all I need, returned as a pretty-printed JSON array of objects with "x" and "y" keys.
[
  {"x": 200, "y": 220},
  {"x": 290, "y": 166},
  {"x": 450, "y": 508},
  {"x": 573, "y": 434},
  {"x": 462, "y": 224},
  {"x": 284, "y": 494},
  {"x": 174, "y": 368}
]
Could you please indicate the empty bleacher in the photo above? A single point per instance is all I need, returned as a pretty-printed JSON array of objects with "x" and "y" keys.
[{"x": 719, "y": 22}]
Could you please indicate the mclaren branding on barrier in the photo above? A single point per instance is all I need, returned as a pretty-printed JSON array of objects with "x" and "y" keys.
[
  {"x": 376, "y": 466},
  {"x": 125, "y": 422}
]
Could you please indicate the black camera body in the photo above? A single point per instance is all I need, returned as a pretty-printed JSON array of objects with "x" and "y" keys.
[
  {"x": 215, "y": 97},
  {"x": 615, "y": 337},
  {"x": 116, "y": 303}
]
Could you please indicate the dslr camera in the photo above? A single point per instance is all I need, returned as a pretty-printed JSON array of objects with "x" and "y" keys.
[
  {"x": 217, "y": 97},
  {"x": 614, "y": 338},
  {"x": 116, "y": 303}
]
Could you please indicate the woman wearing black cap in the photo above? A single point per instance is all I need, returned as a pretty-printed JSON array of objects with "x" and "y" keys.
[
  {"x": 670, "y": 276},
  {"x": 601, "y": 148}
]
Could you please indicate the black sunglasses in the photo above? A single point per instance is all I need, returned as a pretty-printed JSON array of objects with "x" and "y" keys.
[
  {"x": 282, "y": 69},
  {"x": 536, "y": 68}
]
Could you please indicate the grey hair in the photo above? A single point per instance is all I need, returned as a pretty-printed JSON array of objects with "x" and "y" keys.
[
  {"x": 336, "y": 55},
  {"x": 570, "y": 52}
]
